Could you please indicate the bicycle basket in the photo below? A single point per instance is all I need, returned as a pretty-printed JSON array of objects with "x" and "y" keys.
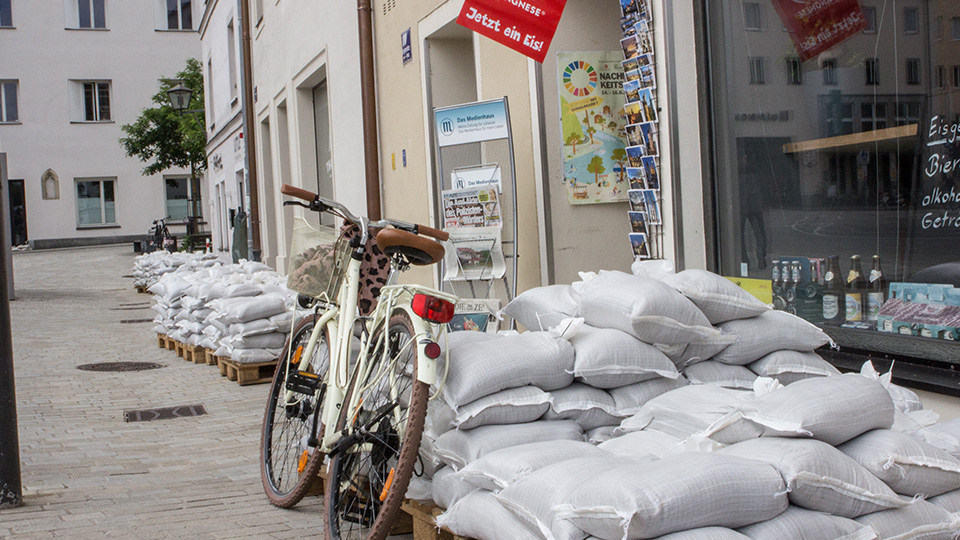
[{"x": 318, "y": 260}]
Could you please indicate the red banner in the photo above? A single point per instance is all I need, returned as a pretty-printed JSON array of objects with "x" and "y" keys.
[
  {"x": 819, "y": 25},
  {"x": 526, "y": 26}
]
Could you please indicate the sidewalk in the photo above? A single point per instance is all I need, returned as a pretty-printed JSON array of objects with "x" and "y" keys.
[{"x": 88, "y": 474}]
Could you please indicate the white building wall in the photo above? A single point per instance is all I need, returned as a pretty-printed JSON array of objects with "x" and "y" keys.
[
  {"x": 45, "y": 52},
  {"x": 297, "y": 44}
]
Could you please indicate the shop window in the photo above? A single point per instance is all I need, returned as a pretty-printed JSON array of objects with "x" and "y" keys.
[
  {"x": 6, "y": 14},
  {"x": 91, "y": 14},
  {"x": 96, "y": 202},
  {"x": 870, "y": 14},
  {"x": 9, "y": 107},
  {"x": 756, "y": 70},
  {"x": 751, "y": 16},
  {"x": 794, "y": 71},
  {"x": 913, "y": 71},
  {"x": 911, "y": 20},
  {"x": 829, "y": 67},
  {"x": 871, "y": 71}
]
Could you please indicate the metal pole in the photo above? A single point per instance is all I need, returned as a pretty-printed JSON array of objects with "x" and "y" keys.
[
  {"x": 368, "y": 99},
  {"x": 249, "y": 125},
  {"x": 11, "y": 492}
]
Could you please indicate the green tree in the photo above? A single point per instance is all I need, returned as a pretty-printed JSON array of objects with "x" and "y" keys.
[
  {"x": 163, "y": 138},
  {"x": 620, "y": 156},
  {"x": 590, "y": 131},
  {"x": 597, "y": 168},
  {"x": 573, "y": 140}
]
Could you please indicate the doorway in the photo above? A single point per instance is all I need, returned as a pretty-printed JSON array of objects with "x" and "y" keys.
[{"x": 18, "y": 213}]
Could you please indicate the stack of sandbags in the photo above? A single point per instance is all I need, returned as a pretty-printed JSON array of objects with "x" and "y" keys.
[{"x": 149, "y": 267}]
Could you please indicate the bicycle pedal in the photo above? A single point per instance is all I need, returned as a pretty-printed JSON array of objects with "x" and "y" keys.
[{"x": 302, "y": 382}]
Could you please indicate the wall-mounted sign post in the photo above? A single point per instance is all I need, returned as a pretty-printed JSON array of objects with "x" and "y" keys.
[{"x": 524, "y": 26}]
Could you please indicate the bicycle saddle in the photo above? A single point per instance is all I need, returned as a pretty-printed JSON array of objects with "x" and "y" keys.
[{"x": 418, "y": 250}]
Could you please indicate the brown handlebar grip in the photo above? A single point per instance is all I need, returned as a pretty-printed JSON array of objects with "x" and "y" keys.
[
  {"x": 433, "y": 233},
  {"x": 308, "y": 196}
]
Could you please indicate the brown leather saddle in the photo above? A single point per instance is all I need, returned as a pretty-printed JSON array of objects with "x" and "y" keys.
[{"x": 418, "y": 250}]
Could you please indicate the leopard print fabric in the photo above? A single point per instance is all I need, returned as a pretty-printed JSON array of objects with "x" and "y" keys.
[{"x": 374, "y": 270}]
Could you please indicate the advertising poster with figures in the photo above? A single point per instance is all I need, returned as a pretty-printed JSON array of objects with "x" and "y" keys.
[{"x": 591, "y": 125}]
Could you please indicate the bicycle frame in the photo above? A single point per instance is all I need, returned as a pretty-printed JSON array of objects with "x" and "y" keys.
[{"x": 339, "y": 322}]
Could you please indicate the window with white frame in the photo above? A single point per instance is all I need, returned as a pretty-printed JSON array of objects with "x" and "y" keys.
[
  {"x": 9, "y": 108},
  {"x": 870, "y": 15},
  {"x": 751, "y": 16},
  {"x": 91, "y": 14},
  {"x": 182, "y": 197},
  {"x": 756, "y": 70},
  {"x": 794, "y": 70},
  {"x": 179, "y": 14},
  {"x": 96, "y": 201},
  {"x": 829, "y": 67},
  {"x": 6, "y": 14},
  {"x": 911, "y": 20},
  {"x": 94, "y": 101}
]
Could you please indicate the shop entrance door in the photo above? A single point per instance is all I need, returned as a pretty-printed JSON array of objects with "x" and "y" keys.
[{"x": 18, "y": 213}]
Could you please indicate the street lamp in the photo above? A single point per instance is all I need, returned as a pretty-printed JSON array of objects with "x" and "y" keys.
[{"x": 180, "y": 101}]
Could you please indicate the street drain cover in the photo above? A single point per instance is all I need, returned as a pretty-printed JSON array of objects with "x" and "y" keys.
[
  {"x": 120, "y": 366},
  {"x": 166, "y": 413}
]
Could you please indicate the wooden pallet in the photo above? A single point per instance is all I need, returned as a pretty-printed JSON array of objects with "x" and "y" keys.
[
  {"x": 194, "y": 353},
  {"x": 181, "y": 349},
  {"x": 162, "y": 341},
  {"x": 209, "y": 357},
  {"x": 424, "y": 521},
  {"x": 244, "y": 374},
  {"x": 141, "y": 289},
  {"x": 171, "y": 345}
]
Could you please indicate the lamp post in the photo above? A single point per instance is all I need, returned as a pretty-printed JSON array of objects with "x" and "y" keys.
[{"x": 180, "y": 96}]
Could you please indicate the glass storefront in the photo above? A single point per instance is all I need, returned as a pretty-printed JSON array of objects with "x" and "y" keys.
[{"x": 839, "y": 139}]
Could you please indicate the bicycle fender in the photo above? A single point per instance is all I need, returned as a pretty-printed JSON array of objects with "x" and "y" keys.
[{"x": 426, "y": 367}]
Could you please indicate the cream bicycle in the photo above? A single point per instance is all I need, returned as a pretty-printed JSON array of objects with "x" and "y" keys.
[{"x": 356, "y": 388}]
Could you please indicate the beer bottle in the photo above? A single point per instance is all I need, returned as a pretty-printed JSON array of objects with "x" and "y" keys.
[
  {"x": 834, "y": 299},
  {"x": 856, "y": 287},
  {"x": 876, "y": 295}
]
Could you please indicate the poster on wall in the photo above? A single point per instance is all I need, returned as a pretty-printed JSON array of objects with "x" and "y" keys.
[
  {"x": 591, "y": 126},
  {"x": 816, "y": 27}
]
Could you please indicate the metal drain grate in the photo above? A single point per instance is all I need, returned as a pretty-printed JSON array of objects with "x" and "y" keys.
[
  {"x": 119, "y": 366},
  {"x": 165, "y": 413}
]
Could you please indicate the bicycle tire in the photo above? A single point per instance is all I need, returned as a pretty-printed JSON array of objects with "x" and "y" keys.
[
  {"x": 283, "y": 449},
  {"x": 361, "y": 505}
]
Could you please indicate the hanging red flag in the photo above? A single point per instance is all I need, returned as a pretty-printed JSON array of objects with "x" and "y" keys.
[
  {"x": 526, "y": 26},
  {"x": 819, "y": 25}
]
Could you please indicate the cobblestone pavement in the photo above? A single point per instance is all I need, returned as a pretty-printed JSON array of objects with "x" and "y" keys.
[{"x": 88, "y": 474}]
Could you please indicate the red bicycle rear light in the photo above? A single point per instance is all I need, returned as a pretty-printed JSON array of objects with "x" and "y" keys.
[
  {"x": 432, "y": 350},
  {"x": 432, "y": 308}
]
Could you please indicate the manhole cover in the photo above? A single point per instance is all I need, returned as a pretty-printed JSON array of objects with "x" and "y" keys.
[
  {"x": 120, "y": 366},
  {"x": 165, "y": 413}
]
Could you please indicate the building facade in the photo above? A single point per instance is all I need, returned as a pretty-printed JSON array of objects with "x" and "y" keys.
[{"x": 73, "y": 73}]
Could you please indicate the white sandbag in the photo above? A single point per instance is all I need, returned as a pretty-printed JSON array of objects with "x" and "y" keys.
[
  {"x": 533, "y": 497},
  {"x": 704, "y": 533},
  {"x": 542, "y": 308},
  {"x": 600, "y": 434},
  {"x": 949, "y": 501},
  {"x": 801, "y": 523},
  {"x": 457, "y": 448},
  {"x": 720, "y": 374},
  {"x": 253, "y": 328},
  {"x": 441, "y": 418},
  {"x": 920, "y": 520},
  {"x": 683, "y": 491},
  {"x": 501, "y": 468},
  {"x": 771, "y": 331},
  {"x": 820, "y": 477},
  {"x": 697, "y": 351},
  {"x": 587, "y": 406},
  {"x": 160, "y": 329},
  {"x": 455, "y": 339},
  {"x": 245, "y": 309},
  {"x": 487, "y": 367},
  {"x": 945, "y": 436},
  {"x": 607, "y": 358},
  {"x": 629, "y": 399},
  {"x": 169, "y": 287},
  {"x": 478, "y": 515},
  {"x": 420, "y": 488},
  {"x": 448, "y": 487},
  {"x": 645, "y": 308},
  {"x": 239, "y": 290},
  {"x": 909, "y": 466},
  {"x": 428, "y": 456},
  {"x": 697, "y": 411},
  {"x": 643, "y": 444},
  {"x": 904, "y": 399},
  {"x": 716, "y": 296},
  {"x": 273, "y": 340},
  {"x": 831, "y": 409},
  {"x": 511, "y": 406},
  {"x": 791, "y": 366},
  {"x": 254, "y": 356}
]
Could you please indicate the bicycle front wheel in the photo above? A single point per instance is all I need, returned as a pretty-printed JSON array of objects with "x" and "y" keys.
[
  {"x": 288, "y": 464},
  {"x": 368, "y": 478}
]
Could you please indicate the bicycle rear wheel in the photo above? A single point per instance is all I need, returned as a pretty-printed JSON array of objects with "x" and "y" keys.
[
  {"x": 288, "y": 464},
  {"x": 368, "y": 477}
]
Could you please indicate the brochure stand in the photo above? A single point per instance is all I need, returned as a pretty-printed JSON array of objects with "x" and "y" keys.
[{"x": 476, "y": 196}]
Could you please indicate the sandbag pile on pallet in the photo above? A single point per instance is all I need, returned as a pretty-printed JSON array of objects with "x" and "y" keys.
[
  {"x": 816, "y": 458},
  {"x": 149, "y": 267}
]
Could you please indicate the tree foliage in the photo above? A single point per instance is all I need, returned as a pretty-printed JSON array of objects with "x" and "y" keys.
[{"x": 163, "y": 138}]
